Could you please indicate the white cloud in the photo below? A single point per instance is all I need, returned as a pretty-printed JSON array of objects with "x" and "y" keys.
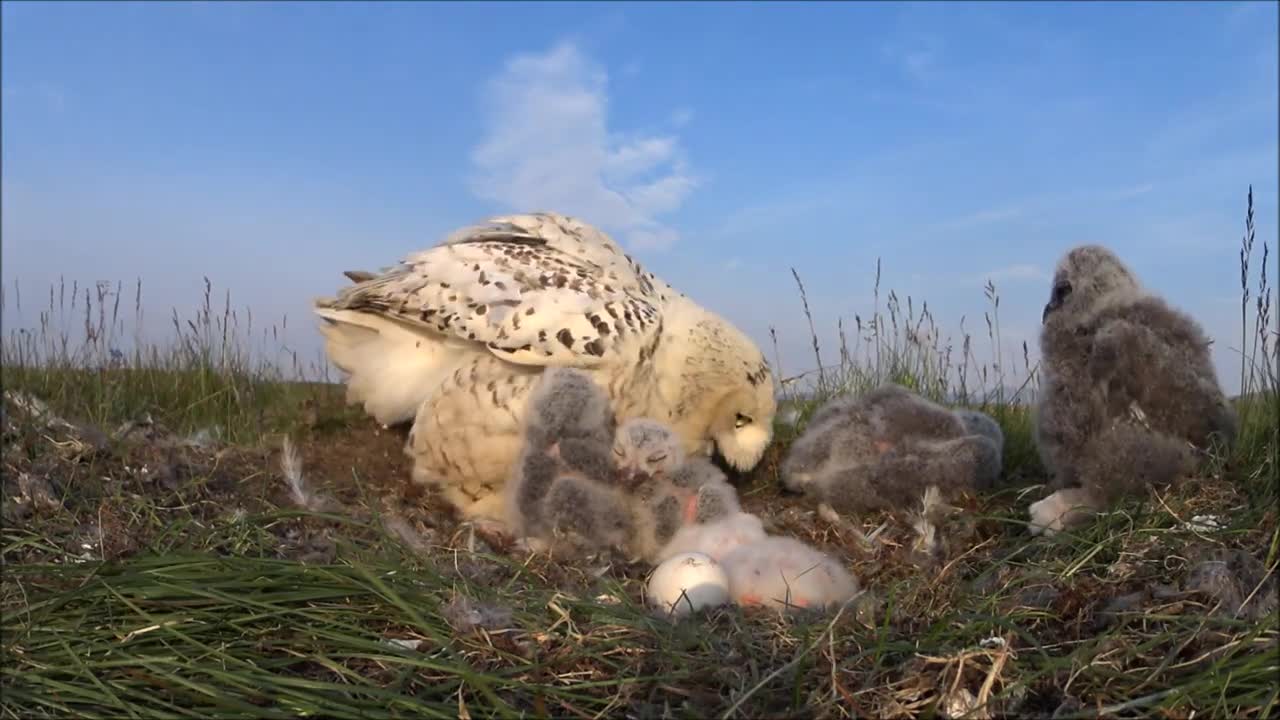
[
  {"x": 681, "y": 117},
  {"x": 982, "y": 217},
  {"x": 917, "y": 62},
  {"x": 1016, "y": 273},
  {"x": 1135, "y": 191},
  {"x": 915, "y": 54},
  {"x": 548, "y": 146}
]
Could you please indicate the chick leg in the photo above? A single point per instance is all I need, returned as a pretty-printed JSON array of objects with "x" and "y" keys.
[
  {"x": 1069, "y": 507},
  {"x": 1117, "y": 464}
]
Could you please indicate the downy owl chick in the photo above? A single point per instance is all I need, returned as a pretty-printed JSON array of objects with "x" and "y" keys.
[
  {"x": 715, "y": 538},
  {"x": 568, "y": 428},
  {"x": 674, "y": 490},
  {"x": 1129, "y": 396},
  {"x": 784, "y": 573},
  {"x": 648, "y": 454},
  {"x": 883, "y": 449}
]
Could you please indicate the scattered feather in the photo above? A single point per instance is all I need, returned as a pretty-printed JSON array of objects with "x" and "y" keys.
[
  {"x": 466, "y": 615},
  {"x": 291, "y": 466}
]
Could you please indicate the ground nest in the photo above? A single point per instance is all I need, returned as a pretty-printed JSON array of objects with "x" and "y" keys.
[{"x": 151, "y": 572}]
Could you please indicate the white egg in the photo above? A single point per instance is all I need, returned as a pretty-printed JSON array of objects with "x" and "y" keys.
[{"x": 687, "y": 582}]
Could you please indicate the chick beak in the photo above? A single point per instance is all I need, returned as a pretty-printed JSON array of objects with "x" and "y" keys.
[{"x": 1048, "y": 308}]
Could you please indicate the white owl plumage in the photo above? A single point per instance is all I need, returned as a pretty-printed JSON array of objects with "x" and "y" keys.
[{"x": 456, "y": 337}]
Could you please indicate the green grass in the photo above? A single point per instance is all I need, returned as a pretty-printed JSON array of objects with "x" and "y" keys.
[
  {"x": 169, "y": 581},
  {"x": 205, "y": 375}
]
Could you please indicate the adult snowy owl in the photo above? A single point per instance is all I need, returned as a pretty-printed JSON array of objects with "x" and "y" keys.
[{"x": 457, "y": 336}]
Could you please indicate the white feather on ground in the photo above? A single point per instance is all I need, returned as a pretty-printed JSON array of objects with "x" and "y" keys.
[
  {"x": 302, "y": 495},
  {"x": 927, "y": 524},
  {"x": 456, "y": 336}
]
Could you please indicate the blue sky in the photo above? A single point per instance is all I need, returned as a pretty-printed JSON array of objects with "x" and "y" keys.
[{"x": 271, "y": 146}]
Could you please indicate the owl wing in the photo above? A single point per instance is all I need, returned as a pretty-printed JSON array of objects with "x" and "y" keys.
[{"x": 533, "y": 289}]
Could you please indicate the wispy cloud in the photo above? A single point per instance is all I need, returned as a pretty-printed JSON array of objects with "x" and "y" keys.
[
  {"x": 1015, "y": 273},
  {"x": 982, "y": 217},
  {"x": 770, "y": 215},
  {"x": 1044, "y": 203},
  {"x": 548, "y": 145},
  {"x": 915, "y": 54},
  {"x": 681, "y": 117},
  {"x": 1134, "y": 191}
]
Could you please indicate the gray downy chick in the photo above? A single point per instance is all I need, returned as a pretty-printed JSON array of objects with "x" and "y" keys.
[
  {"x": 594, "y": 515},
  {"x": 565, "y": 508},
  {"x": 856, "y": 429},
  {"x": 980, "y": 423},
  {"x": 714, "y": 497},
  {"x": 567, "y": 404},
  {"x": 883, "y": 449},
  {"x": 649, "y": 452},
  {"x": 1129, "y": 397},
  {"x": 646, "y": 451},
  {"x": 673, "y": 490},
  {"x": 617, "y": 495},
  {"x": 838, "y": 434},
  {"x": 897, "y": 479},
  {"x": 696, "y": 494},
  {"x": 648, "y": 455},
  {"x": 568, "y": 428}
]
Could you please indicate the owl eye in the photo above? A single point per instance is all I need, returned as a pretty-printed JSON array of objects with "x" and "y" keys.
[
  {"x": 657, "y": 457},
  {"x": 1061, "y": 291},
  {"x": 741, "y": 421},
  {"x": 617, "y": 451}
]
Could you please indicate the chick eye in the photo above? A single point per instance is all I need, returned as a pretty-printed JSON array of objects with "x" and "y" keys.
[
  {"x": 617, "y": 451},
  {"x": 657, "y": 457},
  {"x": 1061, "y": 291},
  {"x": 742, "y": 421}
]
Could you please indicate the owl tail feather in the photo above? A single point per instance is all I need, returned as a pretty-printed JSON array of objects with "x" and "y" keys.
[{"x": 392, "y": 368}]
